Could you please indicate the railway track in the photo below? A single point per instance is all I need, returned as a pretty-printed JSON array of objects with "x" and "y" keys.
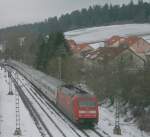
[
  {"x": 47, "y": 114},
  {"x": 50, "y": 106},
  {"x": 39, "y": 102},
  {"x": 85, "y": 132},
  {"x": 36, "y": 117},
  {"x": 51, "y": 110},
  {"x": 40, "y": 98}
]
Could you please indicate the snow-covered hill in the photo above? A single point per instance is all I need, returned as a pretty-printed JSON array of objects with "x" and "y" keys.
[{"x": 97, "y": 34}]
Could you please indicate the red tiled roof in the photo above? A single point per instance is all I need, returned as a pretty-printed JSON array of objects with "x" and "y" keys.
[
  {"x": 131, "y": 40},
  {"x": 83, "y": 47},
  {"x": 77, "y": 48},
  {"x": 112, "y": 40}
]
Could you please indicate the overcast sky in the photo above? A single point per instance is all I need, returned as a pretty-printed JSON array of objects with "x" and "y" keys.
[{"x": 13, "y": 12}]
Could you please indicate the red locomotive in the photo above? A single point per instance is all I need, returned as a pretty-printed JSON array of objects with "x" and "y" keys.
[{"x": 80, "y": 106}]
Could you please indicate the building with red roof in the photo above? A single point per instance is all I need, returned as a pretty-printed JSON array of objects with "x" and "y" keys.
[
  {"x": 114, "y": 41},
  {"x": 78, "y": 48},
  {"x": 136, "y": 44},
  {"x": 114, "y": 55}
]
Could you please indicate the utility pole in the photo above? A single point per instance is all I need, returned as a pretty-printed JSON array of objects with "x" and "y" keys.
[
  {"x": 10, "y": 83},
  {"x": 18, "y": 129},
  {"x": 117, "y": 129},
  {"x": 59, "y": 68}
]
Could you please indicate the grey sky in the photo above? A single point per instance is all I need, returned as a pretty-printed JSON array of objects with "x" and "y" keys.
[{"x": 14, "y": 12}]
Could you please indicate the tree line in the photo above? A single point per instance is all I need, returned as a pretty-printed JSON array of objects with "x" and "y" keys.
[{"x": 107, "y": 14}]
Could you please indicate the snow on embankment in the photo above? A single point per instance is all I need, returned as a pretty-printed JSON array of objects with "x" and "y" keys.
[
  {"x": 128, "y": 129},
  {"x": 8, "y": 113},
  {"x": 99, "y": 34}
]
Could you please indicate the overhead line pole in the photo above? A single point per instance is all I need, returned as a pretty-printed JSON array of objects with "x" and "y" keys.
[
  {"x": 60, "y": 68},
  {"x": 18, "y": 129}
]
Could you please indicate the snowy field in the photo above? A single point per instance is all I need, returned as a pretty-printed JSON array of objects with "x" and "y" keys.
[
  {"x": 7, "y": 115},
  {"x": 99, "y": 34}
]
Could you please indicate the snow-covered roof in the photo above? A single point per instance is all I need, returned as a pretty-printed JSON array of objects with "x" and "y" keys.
[{"x": 97, "y": 45}]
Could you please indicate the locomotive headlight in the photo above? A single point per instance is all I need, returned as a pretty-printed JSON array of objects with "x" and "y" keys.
[
  {"x": 87, "y": 112},
  {"x": 92, "y": 112},
  {"x": 82, "y": 111}
]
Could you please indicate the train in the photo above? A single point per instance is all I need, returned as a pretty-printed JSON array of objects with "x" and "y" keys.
[{"x": 80, "y": 106}]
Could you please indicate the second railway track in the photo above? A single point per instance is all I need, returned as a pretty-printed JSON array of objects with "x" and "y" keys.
[{"x": 36, "y": 117}]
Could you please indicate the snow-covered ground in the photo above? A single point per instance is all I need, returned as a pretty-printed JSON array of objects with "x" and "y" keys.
[
  {"x": 99, "y": 34},
  {"x": 8, "y": 113}
]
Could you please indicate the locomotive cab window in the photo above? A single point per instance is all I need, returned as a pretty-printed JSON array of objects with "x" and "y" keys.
[{"x": 87, "y": 104}]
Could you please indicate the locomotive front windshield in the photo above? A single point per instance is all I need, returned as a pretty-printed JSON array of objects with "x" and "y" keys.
[{"x": 87, "y": 103}]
